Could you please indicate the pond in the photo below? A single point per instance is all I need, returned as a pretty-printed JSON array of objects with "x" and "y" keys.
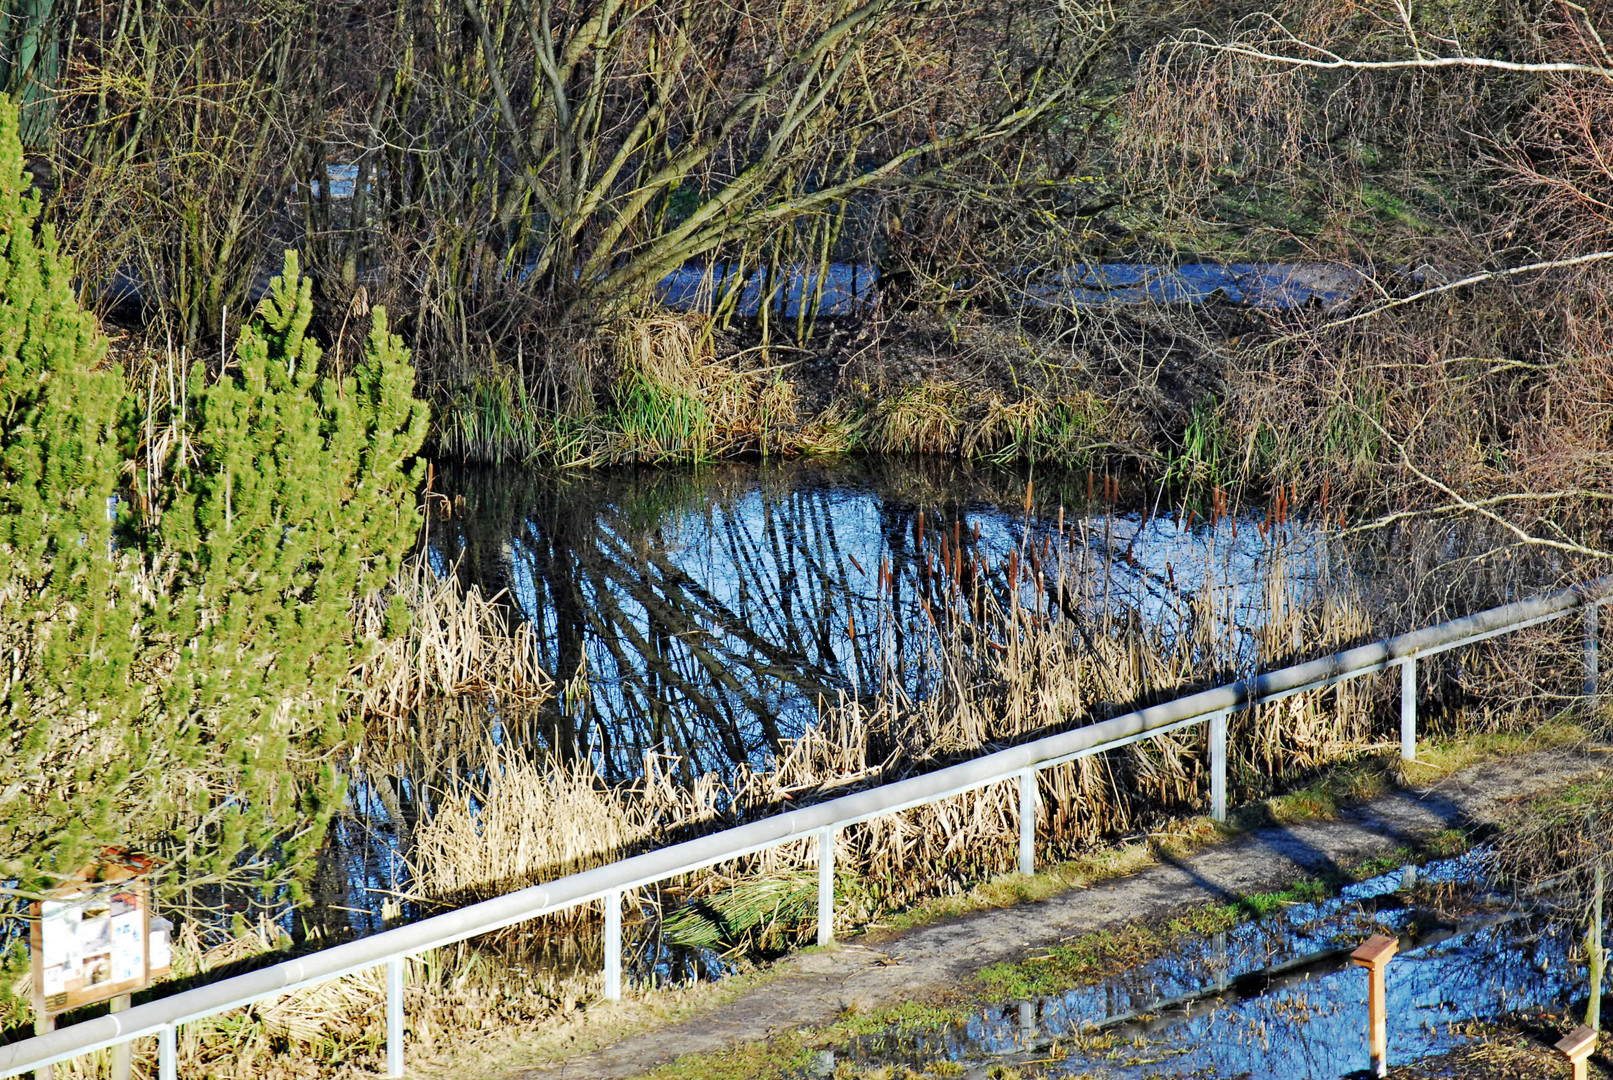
[
  {"x": 707, "y": 615},
  {"x": 708, "y": 610}
]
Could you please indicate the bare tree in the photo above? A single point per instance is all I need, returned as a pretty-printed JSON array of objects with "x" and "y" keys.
[{"x": 1462, "y": 170}]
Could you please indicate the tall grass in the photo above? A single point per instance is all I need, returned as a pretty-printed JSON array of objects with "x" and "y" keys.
[
  {"x": 441, "y": 640},
  {"x": 661, "y": 394}
]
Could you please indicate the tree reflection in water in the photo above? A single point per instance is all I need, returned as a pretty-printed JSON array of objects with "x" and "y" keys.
[{"x": 702, "y": 613}]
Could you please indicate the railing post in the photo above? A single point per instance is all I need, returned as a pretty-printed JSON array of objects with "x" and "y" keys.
[
  {"x": 1218, "y": 766},
  {"x": 167, "y": 1054},
  {"x": 394, "y": 1016},
  {"x": 613, "y": 945},
  {"x": 1027, "y": 822},
  {"x": 1591, "y": 644},
  {"x": 826, "y": 886},
  {"x": 1408, "y": 709}
]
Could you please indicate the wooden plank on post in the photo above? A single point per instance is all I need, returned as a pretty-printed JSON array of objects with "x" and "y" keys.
[
  {"x": 1374, "y": 954},
  {"x": 1576, "y": 1046}
]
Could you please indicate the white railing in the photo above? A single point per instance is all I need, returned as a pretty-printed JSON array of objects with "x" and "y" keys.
[{"x": 163, "y": 1016}]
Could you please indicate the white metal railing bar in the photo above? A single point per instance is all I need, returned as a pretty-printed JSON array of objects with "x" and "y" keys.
[{"x": 824, "y": 820}]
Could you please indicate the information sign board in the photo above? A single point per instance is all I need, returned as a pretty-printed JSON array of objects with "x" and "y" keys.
[{"x": 91, "y": 938}]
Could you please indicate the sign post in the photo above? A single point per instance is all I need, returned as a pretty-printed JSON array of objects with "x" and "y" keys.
[
  {"x": 1374, "y": 955},
  {"x": 90, "y": 940}
]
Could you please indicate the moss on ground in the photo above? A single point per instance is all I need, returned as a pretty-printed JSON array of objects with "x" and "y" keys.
[{"x": 1103, "y": 953}]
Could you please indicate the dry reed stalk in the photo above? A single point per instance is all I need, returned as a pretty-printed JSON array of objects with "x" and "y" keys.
[
  {"x": 522, "y": 823},
  {"x": 458, "y": 643}
]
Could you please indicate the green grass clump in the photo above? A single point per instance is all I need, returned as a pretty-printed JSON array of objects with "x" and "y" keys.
[
  {"x": 788, "y": 1054},
  {"x": 784, "y": 1055},
  {"x": 1106, "y": 952}
]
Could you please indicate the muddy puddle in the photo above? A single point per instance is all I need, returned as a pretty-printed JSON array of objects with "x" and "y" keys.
[{"x": 1274, "y": 998}]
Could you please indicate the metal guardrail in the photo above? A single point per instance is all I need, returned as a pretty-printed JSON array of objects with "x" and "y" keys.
[{"x": 163, "y": 1016}]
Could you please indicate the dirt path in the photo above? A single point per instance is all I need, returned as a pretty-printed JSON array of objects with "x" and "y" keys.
[{"x": 816, "y": 988}]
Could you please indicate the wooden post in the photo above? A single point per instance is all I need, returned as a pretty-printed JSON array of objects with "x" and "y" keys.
[
  {"x": 1576, "y": 1046},
  {"x": 1374, "y": 955},
  {"x": 122, "y": 1058}
]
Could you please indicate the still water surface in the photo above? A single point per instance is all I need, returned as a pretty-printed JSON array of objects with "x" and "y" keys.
[{"x": 703, "y": 613}]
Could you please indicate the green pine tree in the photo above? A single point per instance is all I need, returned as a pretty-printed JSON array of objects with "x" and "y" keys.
[
  {"x": 65, "y": 624},
  {"x": 294, "y": 497},
  {"x": 173, "y": 678}
]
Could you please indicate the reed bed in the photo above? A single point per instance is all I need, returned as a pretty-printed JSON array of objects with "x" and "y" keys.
[
  {"x": 441, "y": 640},
  {"x": 659, "y": 392},
  {"x": 1004, "y": 648},
  {"x": 1009, "y": 649}
]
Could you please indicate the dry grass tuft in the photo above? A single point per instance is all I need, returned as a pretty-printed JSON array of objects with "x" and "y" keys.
[
  {"x": 922, "y": 419},
  {"x": 522, "y": 823},
  {"x": 440, "y": 640}
]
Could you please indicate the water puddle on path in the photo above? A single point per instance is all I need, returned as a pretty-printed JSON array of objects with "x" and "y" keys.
[{"x": 1273, "y": 998}]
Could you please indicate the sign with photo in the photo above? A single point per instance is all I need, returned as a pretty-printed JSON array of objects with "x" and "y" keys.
[{"x": 92, "y": 939}]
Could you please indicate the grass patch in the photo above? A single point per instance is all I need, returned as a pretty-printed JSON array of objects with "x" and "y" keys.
[
  {"x": 908, "y": 1018},
  {"x": 783, "y": 1055},
  {"x": 580, "y": 1032},
  {"x": 1179, "y": 838},
  {"x": 1367, "y": 778},
  {"x": 1435, "y": 761},
  {"x": 1103, "y": 953},
  {"x": 789, "y": 1054}
]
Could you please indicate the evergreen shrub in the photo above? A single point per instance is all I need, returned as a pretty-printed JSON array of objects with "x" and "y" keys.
[{"x": 178, "y": 575}]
